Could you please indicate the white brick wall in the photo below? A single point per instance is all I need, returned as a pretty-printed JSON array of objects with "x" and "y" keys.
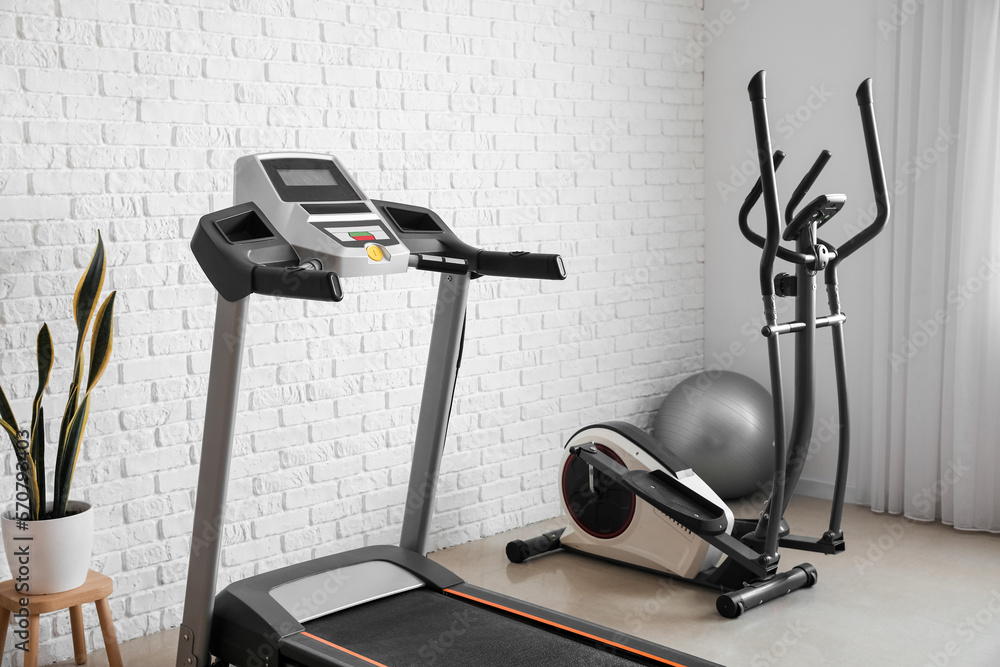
[{"x": 572, "y": 126}]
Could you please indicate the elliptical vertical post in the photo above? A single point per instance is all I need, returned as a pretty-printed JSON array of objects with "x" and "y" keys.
[
  {"x": 769, "y": 190},
  {"x": 804, "y": 390},
  {"x": 843, "y": 408},
  {"x": 213, "y": 480}
]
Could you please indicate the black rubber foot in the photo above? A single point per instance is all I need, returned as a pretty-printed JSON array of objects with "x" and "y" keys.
[
  {"x": 517, "y": 551},
  {"x": 734, "y": 603},
  {"x": 727, "y": 607}
]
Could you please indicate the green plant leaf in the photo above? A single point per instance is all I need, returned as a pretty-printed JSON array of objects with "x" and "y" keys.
[
  {"x": 44, "y": 367},
  {"x": 20, "y": 451},
  {"x": 37, "y": 418},
  {"x": 70, "y": 410},
  {"x": 24, "y": 458},
  {"x": 71, "y": 451},
  {"x": 7, "y": 415},
  {"x": 13, "y": 433},
  {"x": 101, "y": 341},
  {"x": 100, "y": 353},
  {"x": 38, "y": 457},
  {"x": 87, "y": 291}
]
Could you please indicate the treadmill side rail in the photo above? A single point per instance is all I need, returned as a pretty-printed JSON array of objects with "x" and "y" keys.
[
  {"x": 614, "y": 641},
  {"x": 306, "y": 650}
]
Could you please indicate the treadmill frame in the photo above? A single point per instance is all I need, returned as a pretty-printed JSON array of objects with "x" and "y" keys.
[{"x": 443, "y": 360}]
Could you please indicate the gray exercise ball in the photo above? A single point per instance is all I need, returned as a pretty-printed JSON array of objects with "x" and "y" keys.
[{"x": 721, "y": 424}]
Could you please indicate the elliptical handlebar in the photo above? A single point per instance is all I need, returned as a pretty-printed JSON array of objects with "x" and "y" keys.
[
  {"x": 755, "y": 238},
  {"x": 751, "y": 201},
  {"x": 867, "y": 108},
  {"x": 804, "y": 185},
  {"x": 766, "y": 185}
]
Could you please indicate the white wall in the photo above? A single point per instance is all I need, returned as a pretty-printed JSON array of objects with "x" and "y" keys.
[
  {"x": 573, "y": 127},
  {"x": 815, "y": 55}
]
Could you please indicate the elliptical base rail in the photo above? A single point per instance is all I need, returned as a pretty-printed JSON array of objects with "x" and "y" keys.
[{"x": 734, "y": 603}]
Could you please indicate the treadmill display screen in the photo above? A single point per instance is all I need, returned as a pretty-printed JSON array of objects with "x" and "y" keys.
[
  {"x": 304, "y": 179},
  {"x": 300, "y": 177}
]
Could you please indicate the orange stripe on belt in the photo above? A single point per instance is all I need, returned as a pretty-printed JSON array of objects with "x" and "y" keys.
[
  {"x": 565, "y": 627},
  {"x": 341, "y": 648}
]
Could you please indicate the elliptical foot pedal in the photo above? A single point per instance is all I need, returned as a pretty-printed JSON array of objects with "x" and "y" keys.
[{"x": 663, "y": 491}]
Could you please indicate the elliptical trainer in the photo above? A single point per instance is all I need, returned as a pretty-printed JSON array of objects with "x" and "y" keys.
[{"x": 631, "y": 500}]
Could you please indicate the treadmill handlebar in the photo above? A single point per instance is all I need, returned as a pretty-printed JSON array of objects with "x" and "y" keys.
[
  {"x": 438, "y": 248},
  {"x": 297, "y": 282},
  {"x": 242, "y": 253},
  {"x": 520, "y": 264}
]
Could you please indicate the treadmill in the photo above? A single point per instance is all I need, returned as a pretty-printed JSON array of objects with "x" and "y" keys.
[{"x": 300, "y": 223}]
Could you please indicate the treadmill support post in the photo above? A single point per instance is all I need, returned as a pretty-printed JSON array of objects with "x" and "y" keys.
[
  {"x": 443, "y": 360},
  {"x": 213, "y": 478}
]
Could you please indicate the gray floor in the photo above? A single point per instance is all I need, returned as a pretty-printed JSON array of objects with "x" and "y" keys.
[{"x": 904, "y": 594}]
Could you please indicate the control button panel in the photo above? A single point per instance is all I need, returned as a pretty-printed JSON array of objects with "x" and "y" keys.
[{"x": 356, "y": 234}]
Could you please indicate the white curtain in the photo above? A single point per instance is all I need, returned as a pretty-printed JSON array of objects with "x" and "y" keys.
[{"x": 936, "y": 437}]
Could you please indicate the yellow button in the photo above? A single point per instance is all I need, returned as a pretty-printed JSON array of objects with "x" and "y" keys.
[{"x": 375, "y": 253}]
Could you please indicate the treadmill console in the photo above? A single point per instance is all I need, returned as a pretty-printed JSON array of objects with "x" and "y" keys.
[
  {"x": 316, "y": 206},
  {"x": 300, "y": 223}
]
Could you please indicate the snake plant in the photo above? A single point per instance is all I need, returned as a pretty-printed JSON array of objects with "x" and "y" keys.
[{"x": 29, "y": 446}]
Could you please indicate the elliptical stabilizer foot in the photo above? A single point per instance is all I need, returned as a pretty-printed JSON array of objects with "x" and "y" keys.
[{"x": 734, "y": 603}]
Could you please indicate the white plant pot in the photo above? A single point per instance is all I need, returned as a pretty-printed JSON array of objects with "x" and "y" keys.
[{"x": 58, "y": 550}]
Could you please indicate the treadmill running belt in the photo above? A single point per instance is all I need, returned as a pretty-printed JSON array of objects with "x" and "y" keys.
[{"x": 421, "y": 628}]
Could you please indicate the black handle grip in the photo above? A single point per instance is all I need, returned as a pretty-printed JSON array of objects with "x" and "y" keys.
[
  {"x": 520, "y": 264},
  {"x": 519, "y": 551},
  {"x": 297, "y": 282},
  {"x": 867, "y": 109},
  {"x": 756, "y": 89},
  {"x": 769, "y": 188},
  {"x": 864, "y": 93},
  {"x": 807, "y": 182},
  {"x": 756, "y": 86},
  {"x": 755, "y": 238},
  {"x": 751, "y": 201}
]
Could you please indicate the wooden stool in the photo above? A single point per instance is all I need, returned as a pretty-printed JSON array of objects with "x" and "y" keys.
[{"x": 95, "y": 589}]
